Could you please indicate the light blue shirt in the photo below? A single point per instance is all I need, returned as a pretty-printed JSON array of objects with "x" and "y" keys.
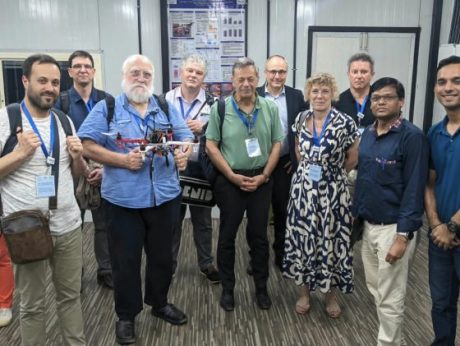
[
  {"x": 280, "y": 101},
  {"x": 157, "y": 181}
]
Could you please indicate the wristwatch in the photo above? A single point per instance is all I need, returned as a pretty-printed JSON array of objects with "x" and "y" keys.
[
  {"x": 453, "y": 227},
  {"x": 407, "y": 235}
]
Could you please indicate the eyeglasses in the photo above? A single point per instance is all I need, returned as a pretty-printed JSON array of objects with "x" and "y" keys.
[
  {"x": 384, "y": 98},
  {"x": 138, "y": 73},
  {"x": 82, "y": 66},
  {"x": 274, "y": 72}
]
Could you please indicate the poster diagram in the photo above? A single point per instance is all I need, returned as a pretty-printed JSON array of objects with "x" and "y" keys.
[{"x": 216, "y": 29}]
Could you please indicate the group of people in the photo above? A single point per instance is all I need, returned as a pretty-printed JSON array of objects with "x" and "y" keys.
[{"x": 335, "y": 168}]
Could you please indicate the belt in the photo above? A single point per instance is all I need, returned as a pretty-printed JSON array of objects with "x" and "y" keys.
[
  {"x": 377, "y": 223},
  {"x": 249, "y": 172}
]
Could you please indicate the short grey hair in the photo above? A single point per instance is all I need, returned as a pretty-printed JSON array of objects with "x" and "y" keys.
[
  {"x": 361, "y": 57},
  {"x": 195, "y": 58},
  {"x": 276, "y": 56},
  {"x": 244, "y": 62},
  {"x": 132, "y": 58}
]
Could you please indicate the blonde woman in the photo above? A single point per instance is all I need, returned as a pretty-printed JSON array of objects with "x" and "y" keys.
[{"x": 317, "y": 245}]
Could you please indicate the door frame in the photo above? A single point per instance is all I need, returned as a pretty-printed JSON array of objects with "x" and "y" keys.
[{"x": 402, "y": 30}]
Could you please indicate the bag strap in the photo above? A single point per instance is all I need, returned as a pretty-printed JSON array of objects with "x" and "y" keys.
[
  {"x": 64, "y": 99},
  {"x": 15, "y": 119}
]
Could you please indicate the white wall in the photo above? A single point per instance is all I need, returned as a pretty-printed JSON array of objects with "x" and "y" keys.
[{"x": 110, "y": 27}]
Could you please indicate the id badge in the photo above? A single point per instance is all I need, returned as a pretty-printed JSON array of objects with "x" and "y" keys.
[
  {"x": 194, "y": 155},
  {"x": 45, "y": 186},
  {"x": 361, "y": 130},
  {"x": 314, "y": 172},
  {"x": 315, "y": 153},
  {"x": 252, "y": 147}
]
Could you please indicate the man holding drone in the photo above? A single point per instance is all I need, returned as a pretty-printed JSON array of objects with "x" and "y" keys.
[{"x": 141, "y": 196}]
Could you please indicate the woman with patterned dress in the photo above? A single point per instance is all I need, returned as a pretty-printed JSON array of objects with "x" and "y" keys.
[{"x": 317, "y": 245}]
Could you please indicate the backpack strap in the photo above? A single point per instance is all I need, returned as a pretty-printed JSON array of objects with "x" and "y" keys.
[
  {"x": 64, "y": 120},
  {"x": 161, "y": 100},
  {"x": 15, "y": 118},
  {"x": 110, "y": 103},
  {"x": 65, "y": 101},
  {"x": 221, "y": 111}
]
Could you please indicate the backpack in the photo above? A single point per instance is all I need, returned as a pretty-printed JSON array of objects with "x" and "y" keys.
[
  {"x": 209, "y": 171},
  {"x": 14, "y": 115},
  {"x": 110, "y": 102}
]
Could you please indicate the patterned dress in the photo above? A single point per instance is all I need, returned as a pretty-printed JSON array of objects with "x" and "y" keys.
[{"x": 317, "y": 244}]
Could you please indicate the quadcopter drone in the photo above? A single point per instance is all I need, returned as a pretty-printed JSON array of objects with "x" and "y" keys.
[{"x": 158, "y": 142}]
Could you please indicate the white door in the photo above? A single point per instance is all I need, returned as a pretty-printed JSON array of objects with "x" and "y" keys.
[{"x": 393, "y": 54}]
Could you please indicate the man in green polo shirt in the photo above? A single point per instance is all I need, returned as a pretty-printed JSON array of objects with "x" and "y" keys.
[{"x": 245, "y": 153}]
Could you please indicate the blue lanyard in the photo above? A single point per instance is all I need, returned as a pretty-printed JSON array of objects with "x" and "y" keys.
[
  {"x": 360, "y": 109},
  {"x": 249, "y": 124},
  {"x": 89, "y": 105},
  {"x": 34, "y": 127},
  {"x": 185, "y": 116},
  {"x": 141, "y": 123},
  {"x": 316, "y": 139}
]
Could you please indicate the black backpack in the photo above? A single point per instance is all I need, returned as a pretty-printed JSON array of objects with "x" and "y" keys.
[
  {"x": 209, "y": 171},
  {"x": 14, "y": 115},
  {"x": 110, "y": 102}
]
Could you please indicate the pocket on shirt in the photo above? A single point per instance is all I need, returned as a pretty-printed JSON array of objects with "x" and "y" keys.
[{"x": 388, "y": 172}]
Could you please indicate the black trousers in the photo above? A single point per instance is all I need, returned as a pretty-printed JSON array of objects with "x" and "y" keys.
[
  {"x": 233, "y": 202},
  {"x": 280, "y": 197},
  {"x": 130, "y": 230}
]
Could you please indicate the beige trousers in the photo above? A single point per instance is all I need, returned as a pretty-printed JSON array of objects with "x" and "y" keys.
[
  {"x": 386, "y": 282},
  {"x": 31, "y": 282}
]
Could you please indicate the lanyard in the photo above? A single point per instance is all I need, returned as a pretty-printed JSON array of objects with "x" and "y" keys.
[
  {"x": 249, "y": 124},
  {"x": 185, "y": 115},
  {"x": 316, "y": 139},
  {"x": 360, "y": 109},
  {"x": 49, "y": 156},
  {"x": 89, "y": 105}
]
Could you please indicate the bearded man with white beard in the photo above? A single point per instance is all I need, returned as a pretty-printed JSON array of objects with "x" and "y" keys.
[{"x": 142, "y": 195}]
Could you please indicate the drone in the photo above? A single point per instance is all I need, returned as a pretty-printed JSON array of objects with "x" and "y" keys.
[{"x": 159, "y": 142}]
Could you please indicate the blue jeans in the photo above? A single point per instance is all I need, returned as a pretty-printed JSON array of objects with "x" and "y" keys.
[{"x": 444, "y": 274}]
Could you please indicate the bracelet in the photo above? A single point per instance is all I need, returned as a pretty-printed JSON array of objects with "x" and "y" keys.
[{"x": 432, "y": 228}]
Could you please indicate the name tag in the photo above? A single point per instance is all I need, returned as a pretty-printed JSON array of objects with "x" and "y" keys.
[
  {"x": 45, "y": 186},
  {"x": 314, "y": 172},
  {"x": 252, "y": 147}
]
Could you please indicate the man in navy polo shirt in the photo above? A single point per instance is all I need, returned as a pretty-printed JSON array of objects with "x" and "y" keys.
[
  {"x": 392, "y": 172},
  {"x": 77, "y": 102},
  {"x": 442, "y": 204}
]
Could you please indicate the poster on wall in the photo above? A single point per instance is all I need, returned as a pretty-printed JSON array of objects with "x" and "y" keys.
[{"x": 215, "y": 29}]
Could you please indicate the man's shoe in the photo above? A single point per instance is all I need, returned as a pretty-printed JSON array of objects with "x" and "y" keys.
[
  {"x": 212, "y": 274},
  {"x": 263, "y": 300},
  {"x": 105, "y": 280},
  {"x": 5, "y": 317},
  {"x": 227, "y": 301},
  {"x": 124, "y": 332},
  {"x": 170, "y": 314}
]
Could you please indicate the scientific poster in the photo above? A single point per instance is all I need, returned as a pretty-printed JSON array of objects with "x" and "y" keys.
[{"x": 216, "y": 29}]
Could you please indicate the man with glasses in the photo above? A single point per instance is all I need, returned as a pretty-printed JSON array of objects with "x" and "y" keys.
[
  {"x": 392, "y": 171},
  {"x": 289, "y": 102},
  {"x": 245, "y": 153},
  {"x": 77, "y": 102},
  {"x": 141, "y": 193}
]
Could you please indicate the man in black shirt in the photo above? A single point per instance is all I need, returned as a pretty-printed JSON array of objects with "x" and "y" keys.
[{"x": 355, "y": 100}]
